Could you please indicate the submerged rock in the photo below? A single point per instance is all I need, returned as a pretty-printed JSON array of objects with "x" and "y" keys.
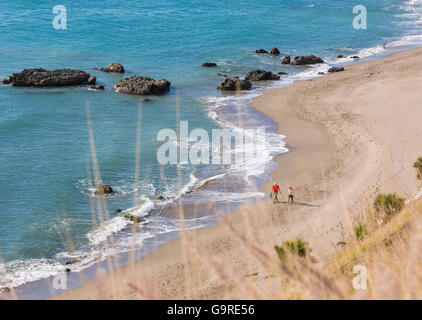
[
  {"x": 303, "y": 60},
  {"x": 114, "y": 68},
  {"x": 209, "y": 64},
  {"x": 142, "y": 86},
  {"x": 282, "y": 73},
  {"x": 132, "y": 218},
  {"x": 6, "y": 81},
  {"x": 234, "y": 85},
  {"x": 97, "y": 88},
  {"x": 335, "y": 69},
  {"x": 103, "y": 189},
  {"x": 45, "y": 78},
  {"x": 340, "y": 56},
  {"x": 259, "y": 75},
  {"x": 261, "y": 51},
  {"x": 275, "y": 51},
  {"x": 354, "y": 57},
  {"x": 286, "y": 60}
]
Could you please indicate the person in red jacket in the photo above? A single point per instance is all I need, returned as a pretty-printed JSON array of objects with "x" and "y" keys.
[
  {"x": 291, "y": 195},
  {"x": 276, "y": 189}
]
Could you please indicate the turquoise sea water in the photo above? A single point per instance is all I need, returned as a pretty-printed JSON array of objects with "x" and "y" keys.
[{"x": 45, "y": 155}]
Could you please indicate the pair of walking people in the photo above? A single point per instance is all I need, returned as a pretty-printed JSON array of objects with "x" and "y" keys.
[{"x": 276, "y": 190}]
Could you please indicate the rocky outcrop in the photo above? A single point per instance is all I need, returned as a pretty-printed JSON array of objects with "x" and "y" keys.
[
  {"x": 281, "y": 73},
  {"x": 113, "y": 67},
  {"x": 103, "y": 189},
  {"x": 335, "y": 69},
  {"x": 45, "y": 78},
  {"x": 6, "y": 81},
  {"x": 259, "y": 75},
  {"x": 209, "y": 64},
  {"x": 261, "y": 51},
  {"x": 304, "y": 60},
  {"x": 286, "y": 60},
  {"x": 354, "y": 57},
  {"x": 340, "y": 56},
  {"x": 234, "y": 85},
  {"x": 275, "y": 51},
  {"x": 142, "y": 86}
]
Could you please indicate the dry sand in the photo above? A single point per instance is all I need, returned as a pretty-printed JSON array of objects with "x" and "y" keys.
[{"x": 351, "y": 134}]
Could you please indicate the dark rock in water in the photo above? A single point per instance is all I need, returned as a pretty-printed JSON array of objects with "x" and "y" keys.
[
  {"x": 321, "y": 73},
  {"x": 286, "y": 60},
  {"x": 354, "y": 57},
  {"x": 335, "y": 69},
  {"x": 222, "y": 75},
  {"x": 97, "y": 87},
  {"x": 6, "y": 81},
  {"x": 209, "y": 64},
  {"x": 103, "y": 189},
  {"x": 160, "y": 198},
  {"x": 340, "y": 56},
  {"x": 142, "y": 86},
  {"x": 114, "y": 68},
  {"x": 132, "y": 218},
  {"x": 259, "y": 75},
  {"x": 282, "y": 73},
  {"x": 261, "y": 51},
  {"x": 233, "y": 85},
  {"x": 275, "y": 51},
  {"x": 303, "y": 60},
  {"x": 67, "y": 270},
  {"x": 92, "y": 80},
  {"x": 148, "y": 100},
  {"x": 56, "y": 78},
  {"x": 118, "y": 210}
]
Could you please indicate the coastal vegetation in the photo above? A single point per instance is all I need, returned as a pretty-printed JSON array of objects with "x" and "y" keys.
[
  {"x": 386, "y": 205},
  {"x": 297, "y": 247},
  {"x": 418, "y": 166}
]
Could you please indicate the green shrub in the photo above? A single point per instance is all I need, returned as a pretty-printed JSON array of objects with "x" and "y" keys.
[
  {"x": 361, "y": 231},
  {"x": 388, "y": 204},
  {"x": 418, "y": 166},
  {"x": 298, "y": 247}
]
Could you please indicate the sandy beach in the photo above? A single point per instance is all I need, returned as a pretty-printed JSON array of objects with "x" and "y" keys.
[{"x": 351, "y": 134}]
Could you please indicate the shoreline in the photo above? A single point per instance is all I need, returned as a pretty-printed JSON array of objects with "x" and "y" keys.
[{"x": 333, "y": 154}]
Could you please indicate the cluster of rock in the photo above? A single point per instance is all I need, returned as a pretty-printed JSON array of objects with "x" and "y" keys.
[
  {"x": 342, "y": 56},
  {"x": 301, "y": 60},
  {"x": 259, "y": 75},
  {"x": 44, "y": 78},
  {"x": 274, "y": 51},
  {"x": 335, "y": 69},
  {"x": 142, "y": 85},
  {"x": 246, "y": 84},
  {"x": 66, "y": 77}
]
